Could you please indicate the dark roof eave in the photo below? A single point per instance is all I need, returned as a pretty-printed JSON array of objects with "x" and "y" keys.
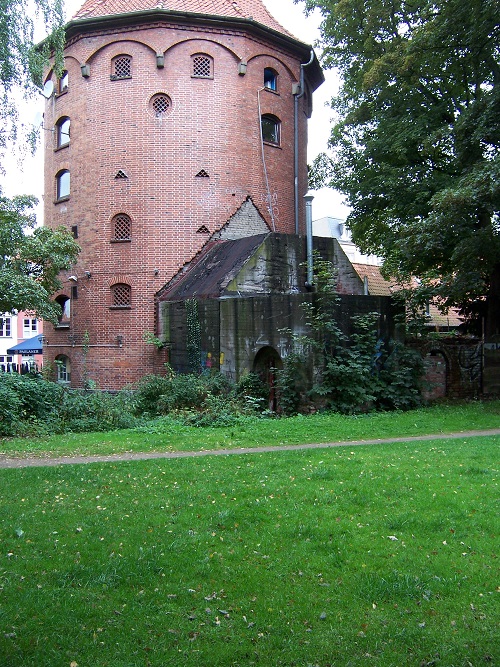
[{"x": 112, "y": 21}]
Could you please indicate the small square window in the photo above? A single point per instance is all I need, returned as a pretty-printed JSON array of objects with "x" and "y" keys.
[
  {"x": 202, "y": 66},
  {"x": 121, "y": 295},
  {"x": 121, "y": 67}
]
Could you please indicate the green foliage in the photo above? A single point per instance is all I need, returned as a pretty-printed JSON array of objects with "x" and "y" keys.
[
  {"x": 84, "y": 411},
  {"x": 353, "y": 374},
  {"x": 193, "y": 335},
  {"x": 417, "y": 142},
  {"x": 21, "y": 63},
  {"x": 291, "y": 384},
  {"x": 10, "y": 409},
  {"x": 34, "y": 405},
  {"x": 30, "y": 259},
  {"x": 253, "y": 392},
  {"x": 160, "y": 395}
]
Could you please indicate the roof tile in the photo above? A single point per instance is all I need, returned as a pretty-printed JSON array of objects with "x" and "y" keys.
[{"x": 253, "y": 9}]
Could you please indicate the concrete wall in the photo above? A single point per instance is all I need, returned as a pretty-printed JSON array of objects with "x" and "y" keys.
[{"x": 233, "y": 331}]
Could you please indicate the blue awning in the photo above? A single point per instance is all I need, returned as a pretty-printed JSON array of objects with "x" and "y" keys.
[{"x": 30, "y": 346}]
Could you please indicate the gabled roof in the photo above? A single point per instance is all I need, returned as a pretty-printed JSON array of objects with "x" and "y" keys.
[
  {"x": 243, "y": 9},
  {"x": 210, "y": 272},
  {"x": 377, "y": 284}
]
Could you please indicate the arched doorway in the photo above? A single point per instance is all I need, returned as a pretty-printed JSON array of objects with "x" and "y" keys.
[{"x": 267, "y": 361}]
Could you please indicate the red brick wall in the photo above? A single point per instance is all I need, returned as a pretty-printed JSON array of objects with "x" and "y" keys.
[{"x": 213, "y": 125}]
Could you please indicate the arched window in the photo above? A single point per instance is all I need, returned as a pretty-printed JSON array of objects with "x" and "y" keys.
[
  {"x": 62, "y": 131},
  {"x": 65, "y": 303},
  {"x": 62, "y": 185},
  {"x": 202, "y": 66},
  {"x": 270, "y": 79},
  {"x": 122, "y": 227},
  {"x": 63, "y": 82},
  {"x": 271, "y": 126},
  {"x": 121, "y": 67},
  {"x": 63, "y": 365},
  {"x": 121, "y": 295}
]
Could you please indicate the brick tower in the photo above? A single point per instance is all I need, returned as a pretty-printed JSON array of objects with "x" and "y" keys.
[{"x": 172, "y": 123}]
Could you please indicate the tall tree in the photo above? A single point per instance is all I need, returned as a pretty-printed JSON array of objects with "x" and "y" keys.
[
  {"x": 21, "y": 63},
  {"x": 31, "y": 258},
  {"x": 416, "y": 143}
]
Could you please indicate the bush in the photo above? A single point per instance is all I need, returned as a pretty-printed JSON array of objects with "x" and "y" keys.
[
  {"x": 83, "y": 411},
  {"x": 160, "y": 395},
  {"x": 39, "y": 398},
  {"x": 11, "y": 411}
]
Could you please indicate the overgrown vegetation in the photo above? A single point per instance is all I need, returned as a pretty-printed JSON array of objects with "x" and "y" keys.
[
  {"x": 380, "y": 556},
  {"x": 33, "y": 405},
  {"x": 352, "y": 374},
  {"x": 30, "y": 404}
]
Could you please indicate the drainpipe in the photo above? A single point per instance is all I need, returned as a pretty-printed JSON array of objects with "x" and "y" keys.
[
  {"x": 297, "y": 95},
  {"x": 309, "y": 240}
]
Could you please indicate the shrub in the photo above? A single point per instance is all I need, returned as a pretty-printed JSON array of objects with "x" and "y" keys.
[{"x": 11, "y": 411}]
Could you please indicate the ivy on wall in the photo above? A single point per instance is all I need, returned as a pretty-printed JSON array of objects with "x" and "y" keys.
[{"x": 193, "y": 335}]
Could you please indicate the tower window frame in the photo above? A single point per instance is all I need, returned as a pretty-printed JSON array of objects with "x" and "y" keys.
[
  {"x": 121, "y": 67},
  {"x": 63, "y": 365},
  {"x": 121, "y": 296},
  {"x": 271, "y": 129},
  {"x": 64, "y": 319},
  {"x": 63, "y": 82},
  {"x": 271, "y": 79},
  {"x": 63, "y": 127},
  {"x": 63, "y": 185},
  {"x": 121, "y": 228},
  {"x": 202, "y": 66}
]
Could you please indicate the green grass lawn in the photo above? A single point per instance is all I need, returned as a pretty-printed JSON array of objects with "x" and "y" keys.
[
  {"x": 376, "y": 555},
  {"x": 167, "y": 435}
]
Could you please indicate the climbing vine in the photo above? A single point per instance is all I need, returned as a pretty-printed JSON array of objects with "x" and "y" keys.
[{"x": 193, "y": 335}]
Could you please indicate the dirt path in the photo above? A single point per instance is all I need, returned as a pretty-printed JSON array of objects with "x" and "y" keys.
[{"x": 36, "y": 462}]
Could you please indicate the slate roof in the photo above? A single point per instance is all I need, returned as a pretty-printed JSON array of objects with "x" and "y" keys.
[
  {"x": 243, "y": 9},
  {"x": 208, "y": 275}
]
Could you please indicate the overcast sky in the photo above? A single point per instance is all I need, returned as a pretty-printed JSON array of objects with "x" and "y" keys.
[{"x": 29, "y": 179}]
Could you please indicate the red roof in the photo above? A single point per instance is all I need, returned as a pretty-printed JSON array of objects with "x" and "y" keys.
[{"x": 243, "y": 9}]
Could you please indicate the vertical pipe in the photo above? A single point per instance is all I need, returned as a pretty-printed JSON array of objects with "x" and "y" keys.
[
  {"x": 309, "y": 240},
  {"x": 297, "y": 96}
]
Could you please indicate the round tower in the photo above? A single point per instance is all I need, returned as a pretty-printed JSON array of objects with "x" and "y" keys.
[{"x": 169, "y": 127}]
